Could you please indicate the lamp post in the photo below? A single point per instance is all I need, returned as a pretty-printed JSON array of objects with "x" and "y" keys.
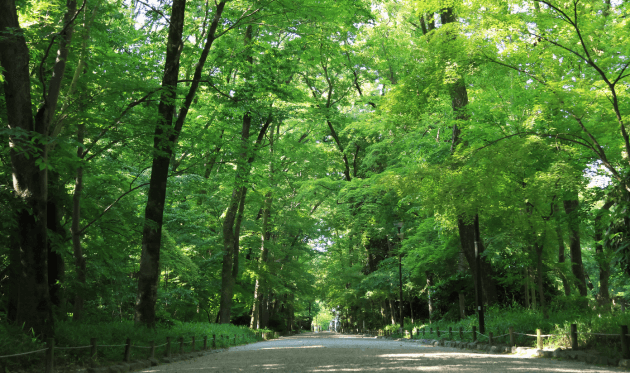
[{"x": 400, "y": 235}]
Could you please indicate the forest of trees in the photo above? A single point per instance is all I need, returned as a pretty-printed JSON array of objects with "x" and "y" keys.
[{"x": 251, "y": 161}]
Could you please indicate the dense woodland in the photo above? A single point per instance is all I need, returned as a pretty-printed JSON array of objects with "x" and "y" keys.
[{"x": 256, "y": 161}]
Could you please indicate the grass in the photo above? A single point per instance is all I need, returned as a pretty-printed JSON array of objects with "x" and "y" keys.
[
  {"x": 70, "y": 334},
  {"x": 524, "y": 321}
]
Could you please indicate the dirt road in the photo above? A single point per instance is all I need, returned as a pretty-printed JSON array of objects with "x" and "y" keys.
[{"x": 329, "y": 352}]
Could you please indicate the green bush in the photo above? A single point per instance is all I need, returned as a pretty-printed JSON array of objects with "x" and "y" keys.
[{"x": 526, "y": 321}]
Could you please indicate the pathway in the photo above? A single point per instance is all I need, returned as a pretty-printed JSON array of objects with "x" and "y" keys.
[{"x": 330, "y": 352}]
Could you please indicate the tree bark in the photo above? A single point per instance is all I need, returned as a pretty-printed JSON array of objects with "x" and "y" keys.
[
  {"x": 14, "y": 278},
  {"x": 75, "y": 228},
  {"x": 56, "y": 264},
  {"x": 571, "y": 208},
  {"x": 467, "y": 236},
  {"x": 561, "y": 259},
  {"x": 265, "y": 236},
  {"x": 467, "y": 231},
  {"x": 429, "y": 276},
  {"x": 34, "y": 311},
  {"x": 163, "y": 143},
  {"x": 603, "y": 296},
  {"x": 392, "y": 312},
  {"x": 539, "y": 272},
  {"x": 77, "y": 249},
  {"x": 533, "y": 290},
  {"x": 264, "y": 310},
  {"x": 526, "y": 287},
  {"x": 227, "y": 277},
  {"x": 462, "y": 300},
  {"x": 233, "y": 216}
]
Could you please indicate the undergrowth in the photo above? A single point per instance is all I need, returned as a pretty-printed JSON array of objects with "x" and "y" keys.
[
  {"x": 526, "y": 321},
  {"x": 71, "y": 334}
]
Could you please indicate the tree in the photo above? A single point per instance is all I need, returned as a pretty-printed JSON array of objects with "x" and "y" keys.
[{"x": 30, "y": 162}]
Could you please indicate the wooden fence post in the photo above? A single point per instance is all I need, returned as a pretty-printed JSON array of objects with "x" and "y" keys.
[
  {"x": 512, "y": 337},
  {"x": 574, "y": 339},
  {"x": 93, "y": 352},
  {"x": 625, "y": 351},
  {"x": 539, "y": 343},
  {"x": 474, "y": 333},
  {"x": 168, "y": 347},
  {"x": 490, "y": 338},
  {"x": 127, "y": 357},
  {"x": 450, "y": 333},
  {"x": 205, "y": 342},
  {"x": 181, "y": 345},
  {"x": 152, "y": 350},
  {"x": 438, "y": 332},
  {"x": 423, "y": 330},
  {"x": 50, "y": 356},
  {"x": 461, "y": 333},
  {"x": 193, "y": 344},
  {"x": 214, "y": 341}
]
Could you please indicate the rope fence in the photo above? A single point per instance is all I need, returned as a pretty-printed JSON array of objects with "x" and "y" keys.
[
  {"x": 572, "y": 336},
  {"x": 225, "y": 340},
  {"x": 24, "y": 353}
]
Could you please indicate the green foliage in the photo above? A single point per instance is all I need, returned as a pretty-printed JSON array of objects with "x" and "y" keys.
[
  {"x": 72, "y": 334},
  {"x": 365, "y": 133},
  {"x": 498, "y": 320}
]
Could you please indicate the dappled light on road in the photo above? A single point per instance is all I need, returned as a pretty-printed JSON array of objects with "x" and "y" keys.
[{"x": 330, "y": 352}]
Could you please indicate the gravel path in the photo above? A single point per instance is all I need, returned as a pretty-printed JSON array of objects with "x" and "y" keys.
[{"x": 330, "y": 352}]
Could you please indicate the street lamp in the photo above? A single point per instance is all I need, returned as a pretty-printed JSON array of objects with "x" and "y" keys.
[{"x": 400, "y": 225}]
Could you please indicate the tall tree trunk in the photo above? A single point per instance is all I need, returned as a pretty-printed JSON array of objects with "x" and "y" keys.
[
  {"x": 392, "y": 311},
  {"x": 468, "y": 234},
  {"x": 77, "y": 249},
  {"x": 254, "y": 322},
  {"x": 533, "y": 290},
  {"x": 333, "y": 133},
  {"x": 561, "y": 259},
  {"x": 75, "y": 228},
  {"x": 14, "y": 278},
  {"x": 163, "y": 143},
  {"x": 429, "y": 276},
  {"x": 462, "y": 300},
  {"x": 539, "y": 273},
  {"x": 237, "y": 233},
  {"x": 603, "y": 296},
  {"x": 571, "y": 208},
  {"x": 265, "y": 236},
  {"x": 227, "y": 277},
  {"x": 526, "y": 287},
  {"x": 233, "y": 216},
  {"x": 383, "y": 312},
  {"x": 56, "y": 264},
  {"x": 264, "y": 310},
  {"x": 34, "y": 310}
]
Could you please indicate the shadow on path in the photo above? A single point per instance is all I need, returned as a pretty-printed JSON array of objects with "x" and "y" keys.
[{"x": 331, "y": 352}]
